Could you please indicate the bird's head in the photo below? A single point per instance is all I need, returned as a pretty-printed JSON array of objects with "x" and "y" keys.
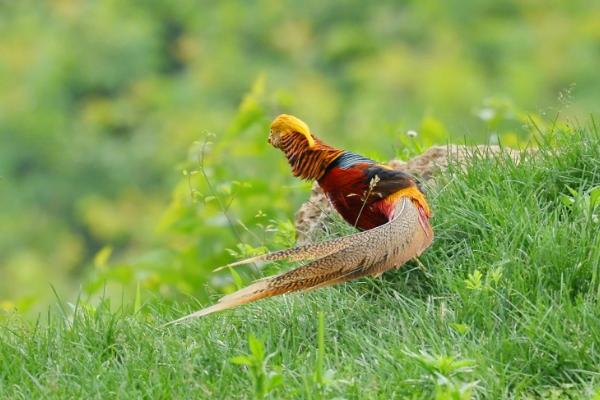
[
  {"x": 308, "y": 156},
  {"x": 286, "y": 127}
]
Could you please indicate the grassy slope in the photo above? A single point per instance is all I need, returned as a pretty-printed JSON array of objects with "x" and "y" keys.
[{"x": 506, "y": 300}]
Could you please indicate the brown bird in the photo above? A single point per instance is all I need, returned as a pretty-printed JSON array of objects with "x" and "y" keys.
[{"x": 396, "y": 227}]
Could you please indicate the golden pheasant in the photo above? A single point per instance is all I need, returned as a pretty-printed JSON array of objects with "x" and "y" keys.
[
  {"x": 387, "y": 205},
  {"x": 363, "y": 191}
]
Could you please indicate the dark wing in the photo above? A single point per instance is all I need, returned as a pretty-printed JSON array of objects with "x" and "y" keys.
[{"x": 388, "y": 181}]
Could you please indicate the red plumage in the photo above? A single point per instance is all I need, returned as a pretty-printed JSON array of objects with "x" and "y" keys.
[
  {"x": 348, "y": 191},
  {"x": 364, "y": 192}
]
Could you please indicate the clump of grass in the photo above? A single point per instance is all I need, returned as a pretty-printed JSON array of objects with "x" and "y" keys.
[
  {"x": 503, "y": 305},
  {"x": 264, "y": 380}
]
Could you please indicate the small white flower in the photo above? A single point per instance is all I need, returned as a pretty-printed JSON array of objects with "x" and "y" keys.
[
  {"x": 411, "y": 133},
  {"x": 486, "y": 114}
]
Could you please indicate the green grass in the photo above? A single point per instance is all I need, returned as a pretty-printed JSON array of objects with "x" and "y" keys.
[{"x": 504, "y": 305}]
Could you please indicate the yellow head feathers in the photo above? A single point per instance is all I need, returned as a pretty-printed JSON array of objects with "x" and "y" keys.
[
  {"x": 286, "y": 124},
  {"x": 308, "y": 156}
]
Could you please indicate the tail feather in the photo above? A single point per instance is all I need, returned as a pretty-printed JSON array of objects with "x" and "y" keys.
[
  {"x": 290, "y": 281},
  {"x": 301, "y": 253},
  {"x": 254, "y": 292},
  {"x": 371, "y": 252}
]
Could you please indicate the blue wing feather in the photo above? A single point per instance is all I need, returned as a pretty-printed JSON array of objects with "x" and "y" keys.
[{"x": 348, "y": 159}]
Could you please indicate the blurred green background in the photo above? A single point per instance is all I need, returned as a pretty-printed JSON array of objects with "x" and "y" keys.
[{"x": 109, "y": 180}]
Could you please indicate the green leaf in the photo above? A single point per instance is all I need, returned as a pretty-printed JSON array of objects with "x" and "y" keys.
[
  {"x": 566, "y": 200},
  {"x": 241, "y": 360},
  {"x": 256, "y": 347},
  {"x": 473, "y": 282},
  {"x": 461, "y": 328},
  {"x": 595, "y": 196},
  {"x": 275, "y": 379},
  {"x": 573, "y": 192}
]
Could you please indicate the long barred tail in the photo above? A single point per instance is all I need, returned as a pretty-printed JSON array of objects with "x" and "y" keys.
[
  {"x": 287, "y": 282},
  {"x": 371, "y": 252},
  {"x": 301, "y": 253},
  {"x": 298, "y": 279}
]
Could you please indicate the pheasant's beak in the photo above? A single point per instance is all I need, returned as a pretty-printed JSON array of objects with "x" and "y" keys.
[{"x": 274, "y": 139}]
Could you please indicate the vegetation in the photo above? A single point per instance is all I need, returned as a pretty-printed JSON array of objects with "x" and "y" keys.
[
  {"x": 100, "y": 102},
  {"x": 133, "y": 161},
  {"x": 504, "y": 305}
]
